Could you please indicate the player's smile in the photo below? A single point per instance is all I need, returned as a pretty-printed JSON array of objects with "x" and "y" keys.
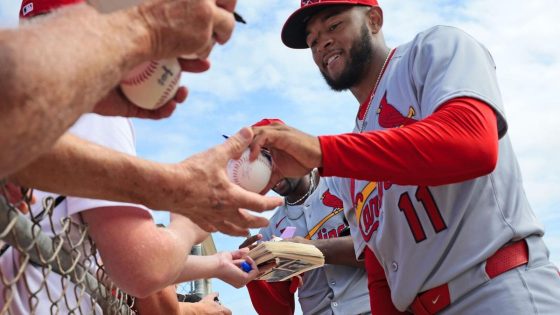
[{"x": 332, "y": 61}]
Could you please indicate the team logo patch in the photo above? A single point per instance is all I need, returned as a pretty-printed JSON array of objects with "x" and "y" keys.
[
  {"x": 390, "y": 117},
  {"x": 334, "y": 202},
  {"x": 331, "y": 200},
  {"x": 27, "y": 9}
]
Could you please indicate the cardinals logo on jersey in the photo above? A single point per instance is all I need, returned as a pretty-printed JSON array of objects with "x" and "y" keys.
[
  {"x": 331, "y": 200},
  {"x": 336, "y": 203},
  {"x": 390, "y": 117},
  {"x": 368, "y": 205},
  {"x": 368, "y": 200}
]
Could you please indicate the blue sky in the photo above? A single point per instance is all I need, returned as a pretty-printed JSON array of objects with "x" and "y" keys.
[{"x": 255, "y": 76}]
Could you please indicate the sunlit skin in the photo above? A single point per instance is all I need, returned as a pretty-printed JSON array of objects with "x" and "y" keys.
[{"x": 333, "y": 34}]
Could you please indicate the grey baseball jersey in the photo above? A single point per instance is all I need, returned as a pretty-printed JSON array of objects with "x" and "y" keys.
[
  {"x": 427, "y": 236},
  {"x": 332, "y": 289}
]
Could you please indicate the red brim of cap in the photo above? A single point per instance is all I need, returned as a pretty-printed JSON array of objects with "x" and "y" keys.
[{"x": 293, "y": 32}]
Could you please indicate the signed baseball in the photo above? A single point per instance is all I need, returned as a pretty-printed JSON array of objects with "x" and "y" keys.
[
  {"x": 152, "y": 84},
  {"x": 252, "y": 176}
]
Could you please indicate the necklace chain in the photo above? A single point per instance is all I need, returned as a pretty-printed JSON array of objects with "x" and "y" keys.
[
  {"x": 363, "y": 125},
  {"x": 309, "y": 191}
]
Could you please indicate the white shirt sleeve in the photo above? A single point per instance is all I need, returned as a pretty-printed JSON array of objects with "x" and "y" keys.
[{"x": 115, "y": 133}]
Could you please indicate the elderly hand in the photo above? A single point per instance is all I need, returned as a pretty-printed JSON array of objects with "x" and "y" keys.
[
  {"x": 186, "y": 27},
  {"x": 294, "y": 153},
  {"x": 116, "y": 104},
  {"x": 200, "y": 189}
]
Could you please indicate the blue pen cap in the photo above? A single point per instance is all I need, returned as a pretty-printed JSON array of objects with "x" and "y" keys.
[{"x": 245, "y": 266}]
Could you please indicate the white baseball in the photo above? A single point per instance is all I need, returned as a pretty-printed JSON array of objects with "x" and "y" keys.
[
  {"x": 252, "y": 176},
  {"x": 152, "y": 84}
]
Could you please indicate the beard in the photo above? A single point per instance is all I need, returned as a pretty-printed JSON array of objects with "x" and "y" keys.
[
  {"x": 360, "y": 58},
  {"x": 287, "y": 187}
]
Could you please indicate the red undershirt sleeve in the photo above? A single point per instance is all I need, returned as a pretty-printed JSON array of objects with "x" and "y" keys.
[
  {"x": 272, "y": 298},
  {"x": 456, "y": 143}
]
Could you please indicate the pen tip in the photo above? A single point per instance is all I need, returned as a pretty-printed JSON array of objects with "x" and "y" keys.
[{"x": 239, "y": 18}]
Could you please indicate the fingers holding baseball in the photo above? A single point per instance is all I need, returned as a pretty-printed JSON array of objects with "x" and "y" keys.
[
  {"x": 194, "y": 65},
  {"x": 116, "y": 104},
  {"x": 236, "y": 144},
  {"x": 294, "y": 153}
]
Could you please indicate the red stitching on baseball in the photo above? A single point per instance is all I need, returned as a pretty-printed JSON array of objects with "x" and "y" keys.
[
  {"x": 144, "y": 75},
  {"x": 167, "y": 91}
]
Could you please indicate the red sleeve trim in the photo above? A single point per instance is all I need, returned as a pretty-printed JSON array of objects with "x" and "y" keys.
[
  {"x": 271, "y": 298},
  {"x": 457, "y": 143}
]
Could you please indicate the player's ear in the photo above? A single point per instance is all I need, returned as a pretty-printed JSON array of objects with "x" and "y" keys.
[{"x": 375, "y": 19}]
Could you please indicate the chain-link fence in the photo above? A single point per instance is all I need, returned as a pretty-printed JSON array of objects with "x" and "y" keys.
[
  {"x": 51, "y": 266},
  {"x": 54, "y": 270}
]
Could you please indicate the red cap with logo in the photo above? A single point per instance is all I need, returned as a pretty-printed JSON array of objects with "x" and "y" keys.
[
  {"x": 31, "y": 8},
  {"x": 293, "y": 32}
]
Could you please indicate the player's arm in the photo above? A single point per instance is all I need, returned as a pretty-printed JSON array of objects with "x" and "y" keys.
[
  {"x": 198, "y": 187},
  {"x": 457, "y": 142},
  {"x": 337, "y": 251}
]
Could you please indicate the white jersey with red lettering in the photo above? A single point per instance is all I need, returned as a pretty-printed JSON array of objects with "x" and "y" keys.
[
  {"x": 332, "y": 289},
  {"x": 428, "y": 236}
]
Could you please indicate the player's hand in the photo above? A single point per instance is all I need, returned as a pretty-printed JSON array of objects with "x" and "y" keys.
[
  {"x": 294, "y": 153},
  {"x": 250, "y": 241},
  {"x": 230, "y": 268},
  {"x": 208, "y": 305},
  {"x": 116, "y": 104},
  {"x": 186, "y": 27},
  {"x": 201, "y": 190}
]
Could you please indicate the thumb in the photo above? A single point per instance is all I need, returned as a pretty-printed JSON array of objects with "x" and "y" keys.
[{"x": 236, "y": 144}]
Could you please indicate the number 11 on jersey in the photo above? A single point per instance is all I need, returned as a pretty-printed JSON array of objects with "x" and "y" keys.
[{"x": 423, "y": 195}]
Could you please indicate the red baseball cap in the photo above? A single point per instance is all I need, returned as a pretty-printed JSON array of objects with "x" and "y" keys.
[
  {"x": 293, "y": 32},
  {"x": 31, "y": 8}
]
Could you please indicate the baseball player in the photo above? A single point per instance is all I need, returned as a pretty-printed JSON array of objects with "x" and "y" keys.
[
  {"x": 339, "y": 287},
  {"x": 436, "y": 188}
]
